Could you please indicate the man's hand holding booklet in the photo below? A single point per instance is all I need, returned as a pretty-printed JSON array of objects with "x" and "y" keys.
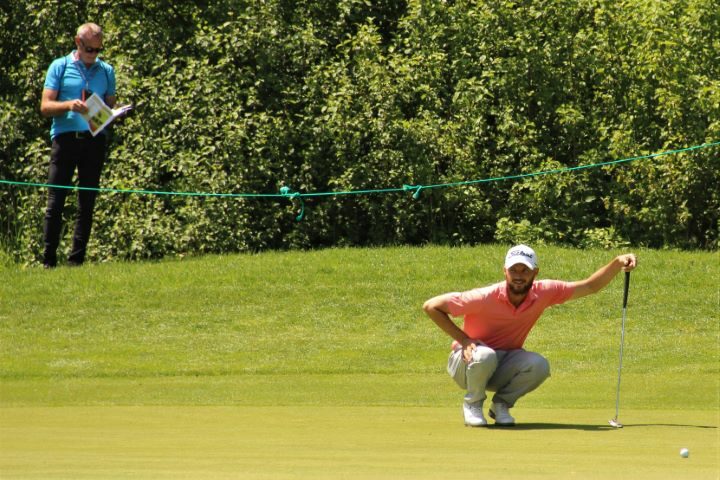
[{"x": 99, "y": 115}]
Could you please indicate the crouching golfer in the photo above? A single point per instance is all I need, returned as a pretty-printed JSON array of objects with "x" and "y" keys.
[{"x": 487, "y": 353}]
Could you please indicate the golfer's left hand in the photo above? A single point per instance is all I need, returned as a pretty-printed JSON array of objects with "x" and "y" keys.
[{"x": 628, "y": 262}]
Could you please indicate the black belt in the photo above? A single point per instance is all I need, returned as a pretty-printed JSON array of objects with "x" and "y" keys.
[{"x": 77, "y": 135}]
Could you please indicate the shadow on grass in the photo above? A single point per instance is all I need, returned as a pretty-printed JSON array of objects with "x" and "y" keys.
[
  {"x": 553, "y": 426},
  {"x": 589, "y": 428},
  {"x": 668, "y": 425}
]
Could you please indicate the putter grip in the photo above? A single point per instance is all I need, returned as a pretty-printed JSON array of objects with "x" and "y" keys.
[{"x": 627, "y": 287}]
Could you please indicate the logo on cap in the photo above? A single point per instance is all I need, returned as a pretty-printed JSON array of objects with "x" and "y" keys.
[{"x": 521, "y": 254}]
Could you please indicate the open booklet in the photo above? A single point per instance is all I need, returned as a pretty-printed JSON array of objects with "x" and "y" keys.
[{"x": 99, "y": 115}]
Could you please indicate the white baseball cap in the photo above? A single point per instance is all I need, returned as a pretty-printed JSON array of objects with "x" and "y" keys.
[{"x": 521, "y": 254}]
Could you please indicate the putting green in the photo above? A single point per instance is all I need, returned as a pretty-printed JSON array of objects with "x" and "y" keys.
[{"x": 350, "y": 442}]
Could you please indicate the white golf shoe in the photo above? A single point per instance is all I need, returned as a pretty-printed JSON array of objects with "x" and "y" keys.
[
  {"x": 500, "y": 412},
  {"x": 473, "y": 414}
]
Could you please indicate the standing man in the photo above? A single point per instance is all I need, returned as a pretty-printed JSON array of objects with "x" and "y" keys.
[
  {"x": 487, "y": 352},
  {"x": 70, "y": 80}
]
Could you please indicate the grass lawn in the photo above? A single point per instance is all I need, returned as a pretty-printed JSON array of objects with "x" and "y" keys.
[
  {"x": 327, "y": 442},
  {"x": 322, "y": 365}
]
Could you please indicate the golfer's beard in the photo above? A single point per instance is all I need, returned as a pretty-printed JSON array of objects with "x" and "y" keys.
[{"x": 520, "y": 289}]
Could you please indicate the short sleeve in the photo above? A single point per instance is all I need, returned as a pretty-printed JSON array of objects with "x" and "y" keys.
[
  {"x": 557, "y": 291},
  {"x": 54, "y": 73},
  {"x": 112, "y": 86},
  {"x": 471, "y": 301}
]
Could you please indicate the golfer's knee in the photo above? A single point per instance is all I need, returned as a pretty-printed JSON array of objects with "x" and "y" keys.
[
  {"x": 485, "y": 356},
  {"x": 539, "y": 366}
]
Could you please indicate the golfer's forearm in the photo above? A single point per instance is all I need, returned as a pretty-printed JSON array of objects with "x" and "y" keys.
[
  {"x": 447, "y": 326},
  {"x": 600, "y": 279}
]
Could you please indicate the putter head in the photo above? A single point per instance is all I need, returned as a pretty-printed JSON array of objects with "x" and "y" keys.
[{"x": 615, "y": 424}]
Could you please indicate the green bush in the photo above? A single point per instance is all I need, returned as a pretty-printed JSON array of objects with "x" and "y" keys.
[{"x": 248, "y": 97}]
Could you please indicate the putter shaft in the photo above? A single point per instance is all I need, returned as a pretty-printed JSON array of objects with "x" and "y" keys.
[
  {"x": 622, "y": 348},
  {"x": 615, "y": 423}
]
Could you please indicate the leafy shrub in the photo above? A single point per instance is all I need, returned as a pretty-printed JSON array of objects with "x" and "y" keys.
[{"x": 248, "y": 97}]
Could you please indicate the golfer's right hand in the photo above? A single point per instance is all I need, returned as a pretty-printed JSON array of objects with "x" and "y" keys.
[{"x": 468, "y": 351}]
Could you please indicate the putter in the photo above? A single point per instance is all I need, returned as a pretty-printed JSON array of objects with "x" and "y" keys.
[{"x": 614, "y": 422}]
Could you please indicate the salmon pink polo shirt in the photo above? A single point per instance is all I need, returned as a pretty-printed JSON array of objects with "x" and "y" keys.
[{"x": 490, "y": 317}]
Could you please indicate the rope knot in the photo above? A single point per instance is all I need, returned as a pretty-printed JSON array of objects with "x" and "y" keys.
[
  {"x": 288, "y": 193},
  {"x": 417, "y": 189}
]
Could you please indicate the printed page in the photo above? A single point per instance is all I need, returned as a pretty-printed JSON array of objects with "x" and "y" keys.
[{"x": 99, "y": 115}]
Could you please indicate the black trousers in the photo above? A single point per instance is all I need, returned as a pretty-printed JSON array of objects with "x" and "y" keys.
[{"x": 71, "y": 151}]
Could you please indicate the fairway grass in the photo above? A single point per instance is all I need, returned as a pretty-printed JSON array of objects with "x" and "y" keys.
[
  {"x": 638, "y": 391},
  {"x": 321, "y": 364},
  {"x": 350, "y": 443}
]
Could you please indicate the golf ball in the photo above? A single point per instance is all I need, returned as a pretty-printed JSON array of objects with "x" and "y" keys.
[{"x": 684, "y": 452}]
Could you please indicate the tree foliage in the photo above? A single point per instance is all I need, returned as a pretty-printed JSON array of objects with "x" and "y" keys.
[{"x": 240, "y": 96}]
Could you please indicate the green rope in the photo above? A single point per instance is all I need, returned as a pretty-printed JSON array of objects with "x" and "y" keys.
[
  {"x": 417, "y": 188},
  {"x": 286, "y": 192}
]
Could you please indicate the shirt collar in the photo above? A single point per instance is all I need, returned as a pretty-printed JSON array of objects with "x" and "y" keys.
[{"x": 75, "y": 55}]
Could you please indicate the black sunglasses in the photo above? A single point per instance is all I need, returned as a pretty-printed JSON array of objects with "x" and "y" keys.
[{"x": 90, "y": 49}]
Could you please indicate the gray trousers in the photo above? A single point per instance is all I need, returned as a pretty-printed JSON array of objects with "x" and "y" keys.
[{"x": 509, "y": 373}]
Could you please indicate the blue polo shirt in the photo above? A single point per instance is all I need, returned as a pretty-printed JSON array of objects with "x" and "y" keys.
[{"x": 69, "y": 77}]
